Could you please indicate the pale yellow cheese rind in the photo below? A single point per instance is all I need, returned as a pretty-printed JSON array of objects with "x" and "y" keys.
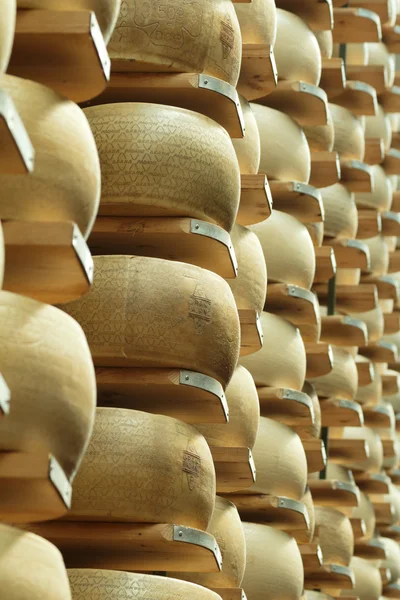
[
  {"x": 7, "y": 28},
  {"x": 335, "y": 535}
]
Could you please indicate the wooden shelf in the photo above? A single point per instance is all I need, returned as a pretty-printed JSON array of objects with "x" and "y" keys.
[
  {"x": 355, "y": 25},
  {"x": 234, "y": 468},
  {"x": 381, "y": 8},
  {"x": 251, "y": 333},
  {"x": 396, "y": 144},
  {"x": 330, "y": 577},
  {"x": 365, "y": 373},
  {"x": 391, "y": 163},
  {"x": 297, "y": 305},
  {"x": 374, "y": 151},
  {"x": 201, "y": 93},
  {"x": 305, "y": 103},
  {"x": 333, "y": 77},
  {"x": 390, "y": 99},
  {"x": 343, "y": 331},
  {"x": 343, "y": 451},
  {"x": 317, "y": 13},
  {"x": 291, "y": 407},
  {"x": 394, "y": 261},
  {"x": 396, "y": 202},
  {"x": 185, "y": 395},
  {"x": 371, "y": 550},
  {"x": 330, "y": 492},
  {"x": 258, "y": 72},
  {"x": 391, "y": 38},
  {"x": 378, "y": 416},
  {"x": 373, "y": 483},
  {"x": 340, "y": 413},
  {"x": 351, "y": 298},
  {"x": 17, "y": 155},
  {"x": 315, "y": 454},
  {"x": 298, "y": 199},
  {"x": 319, "y": 359},
  {"x": 392, "y": 532},
  {"x": 390, "y": 384},
  {"x": 5, "y": 397},
  {"x": 358, "y": 97},
  {"x": 79, "y": 67},
  {"x": 172, "y": 238},
  {"x": 392, "y": 323},
  {"x": 393, "y": 589},
  {"x": 384, "y": 512},
  {"x": 325, "y": 264},
  {"x": 369, "y": 224},
  {"x": 350, "y": 254},
  {"x": 388, "y": 288},
  {"x": 372, "y": 75},
  {"x": 325, "y": 169},
  {"x": 46, "y": 261},
  {"x": 255, "y": 200},
  {"x": 133, "y": 546},
  {"x": 311, "y": 555},
  {"x": 33, "y": 487},
  {"x": 380, "y": 352},
  {"x": 359, "y": 528},
  {"x": 395, "y": 477},
  {"x": 356, "y": 176}
]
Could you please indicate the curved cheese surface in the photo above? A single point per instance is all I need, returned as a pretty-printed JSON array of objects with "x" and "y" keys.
[
  {"x": 335, "y": 535},
  {"x": 325, "y": 42},
  {"x": 193, "y": 37},
  {"x": 378, "y": 126},
  {"x": 349, "y": 134},
  {"x": 373, "y": 463},
  {"x": 342, "y": 381},
  {"x": 165, "y": 161},
  {"x": 365, "y": 511},
  {"x": 368, "y": 582},
  {"x": 46, "y": 362},
  {"x": 379, "y": 254},
  {"x": 341, "y": 216},
  {"x": 7, "y": 27},
  {"x": 378, "y": 54},
  {"x": 258, "y": 22},
  {"x": 321, "y": 138},
  {"x": 382, "y": 192},
  {"x": 248, "y": 148}
]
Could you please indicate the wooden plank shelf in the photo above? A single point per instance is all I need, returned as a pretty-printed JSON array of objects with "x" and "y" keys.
[
  {"x": 330, "y": 492},
  {"x": 297, "y": 305},
  {"x": 315, "y": 451},
  {"x": 325, "y": 169},
  {"x": 395, "y": 477},
  {"x": 390, "y": 100},
  {"x": 390, "y": 384},
  {"x": 396, "y": 202},
  {"x": 251, "y": 333},
  {"x": 329, "y": 577},
  {"x": 372, "y": 483},
  {"x": 365, "y": 372},
  {"x": 392, "y": 532},
  {"x": 397, "y": 422},
  {"x": 373, "y": 549},
  {"x": 374, "y": 151},
  {"x": 378, "y": 416},
  {"x": 317, "y": 13},
  {"x": 392, "y": 323},
  {"x": 311, "y": 555},
  {"x": 356, "y": 176},
  {"x": 369, "y": 224},
  {"x": 230, "y": 593},
  {"x": 337, "y": 412},
  {"x": 350, "y": 298},
  {"x": 385, "y": 574},
  {"x": 387, "y": 287},
  {"x": 319, "y": 359},
  {"x": 258, "y": 72},
  {"x": 33, "y": 487},
  {"x": 381, "y": 8},
  {"x": 133, "y": 546},
  {"x": 358, "y": 97},
  {"x": 395, "y": 144},
  {"x": 185, "y": 395},
  {"x": 325, "y": 264},
  {"x": 372, "y": 75},
  {"x": 394, "y": 261},
  {"x": 393, "y": 589},
  {"x": 255, "y": 200},
  {"x": 201, "y": 93},
  {"x": 305, "y": 103},
  {"x": 391, "y": 163},
  {"x": 46, "y": 261},
  {"x": 17, "y": 155},
  {"x": 333, "y": 77},
  {"x": 343, "y": 451},
  {"x": 391, "y": 38},
  {"x": 172, "y": 238},
  {"x": 298, "y": 199},
  {"x": 291, "y": 407},
  {"x": 278, "y": 511},
  {"x": 359, "y": 528},
  {"x": 5, "y": 397},
  {"x": 355, "y": 25},
  {"x": 234, "y": 468},
  {"x": 79, "y": 67},
  {"x": 343, "y": 331},
  {"x": 384, "y": 512},
  {"x": 350, "y": 254},
  {"x": 380, "y": 352}
]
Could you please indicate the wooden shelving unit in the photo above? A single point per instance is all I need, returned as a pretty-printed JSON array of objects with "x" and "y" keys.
[{"x": 255, "y": 200}]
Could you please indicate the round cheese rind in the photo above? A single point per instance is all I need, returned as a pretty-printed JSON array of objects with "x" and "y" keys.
[
  {"x": 381, "y": 196},
  {"x": 341, "y": 216},
  {"x": 190, "y": 37},
  {"x": 258, "y": 22},
  {"x": 378, "y": 54},
  {"x": 349, "y": 133},
  {"x": 321, "y": 138},
  {"x": 46, "y": 362},
  {"x": 335, "y": 535},
  {"x": 373, "y": 463},
  {"x": 378, "y": 126},
  {"x": 342, "y": 381},
  {"x": 248, "y": 147},
  {"x": 144, "y": 468},
  {"x": 368, "y": 582},
  {"x": 165, "y": 161},
  {"x": 392, "y": 560},
  {"x": 325, "y": 42},
  {"x": 379, "y": 255},
  {"x": 365, "y": 511},
  {"x": 7, "y": 28}
]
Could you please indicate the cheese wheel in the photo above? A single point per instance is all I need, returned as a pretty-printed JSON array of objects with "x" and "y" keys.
[
  {"x": 349, "y": 133},
  {"x": 394, "y": 401},
  {"x": 46, "y": 362},
  {"x": 394, "y": 124},
  {"x": 365, "y": 511},
  {"x": 148, "y": 312},
  {"x": 227, "y": 529},
  {"x": 325, "y": 42},
  {"x": 392, "y": 560},
  {"x": 250, "y": 286},
  {"x": 391, "y": 462},
  {"x": 30, "y": 567},
  {"x": 393, "y": 338},
  {"x": 165, "y": 161},
  {"x": 374, "y": 322},
  {"x": 285, "y": 154},
  {"x": 341, "y": 216},
  {"x": 274, "y": 568},
  {"x": 258, "y": 22},
  {"x": 281, "y": 362},
  {"x": 308, "y": 501},
  {"x": 372, "y": 392},
  {"x": 379, "y": 255},
  {"x": 313, "y": 430},
  {"x": 373, "y": 463},
  {"x": 190, "y": 37},
  {"x": 7, "y": 27},
  {"x": 378, "y": 126},
  {"x": 244, "y": 414},
  {"x": 280, "y": 461},
  {"x": 378, "y": 54},
  {"x": 335, "y": 535},
  {"x": 321, "y": 138},
  {"x": 297, "y": 53},
  {"x": 382, "y": 193},
  {"x": 1, "y": 256},
  {"x": 368, "y": 582},
  {"x": 342, "y": 381},
  {"x": 144, "y": 468},
  {"x": 247, "y": 148},
  {"x": 356, "y": 54},
  {"x": 334, "y": 471},
  {"x": 95, "y": 584},
  {"x": 348, "y": 276},
  {"x": 106, "y": 10},
  {"x": 288, "y": 249},
  {"x": 316, "y": 231}
]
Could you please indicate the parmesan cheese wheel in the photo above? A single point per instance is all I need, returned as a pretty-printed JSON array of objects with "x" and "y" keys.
[
  {"x": 325, "y": 42},
  {"x": 297, "y": 53},
  {"x": 372, "y": 392},
  {"x": 392, "y": 560},
  {"x": 1, "y": 256},
  {"x": 250, "y": 286},
  {"x": 46, "y": 362},
  {"x": 379, "y": 255},
  {"x": 382, "y": 193},
  {"x": 341, "y": 216},
  {"x": 30, "y": 567},
  {"x": 365, "y": 511},
  {"x": 321, "y": 138},
  {"x": 393, "y": 338},
  {"x": 7, "y": 27},
  {"x": 144, "y": 468},
  {"x": 274, "y": 568},
  {"x": 148, "y": 312},
  {"x": 349, "y": 133},
  {"x": 227, "y": 529},
  {"x": 334, "y": 471},
  {"x": 258, "y": 22},
  {"x": 378, "y": 54},
  {"x": 280, "y": 461},
  {"x": 95, "y": 584},
  {"x": 356, "y": 54},
  {"x": 244, "y": 414},
  {"x": 285, "y": 154},
  {"x": 190, "y": 37},
  {"x": 374, "y": 322},
  {"x": 342, "y": 381},
  {"x": 394, "y": 401},
  {"x": 288, "y": 249},
  {"x": 348, "y": 276},
  {"x": 378, "y": 126},
  {"x": 308, "y": 501},
  {"x": 335, "y": 535},
  {"x": 316, "y": 231},
  {"x": 368, "y": 582},
  {"x": 65, "y": 185},
  {"x": 106, "y": 10},
  {"x": 373, "y": 463},
  {"x": 313, "y": 430},
  {"x": 165, "y": 161},
  {"x": 394, "y": 124},
  {"x": 248, "y": 148},
  {"x": 281, "y": 362}
]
